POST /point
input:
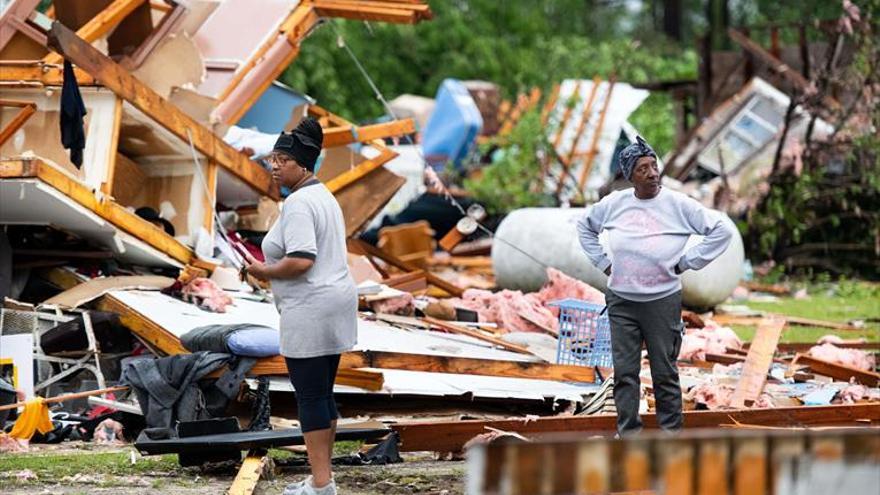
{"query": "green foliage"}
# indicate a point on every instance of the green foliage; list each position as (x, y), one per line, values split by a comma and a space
(509, 182)
(516, 44)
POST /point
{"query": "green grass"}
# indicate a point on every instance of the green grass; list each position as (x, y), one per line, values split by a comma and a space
(839, 303)
(57, 466)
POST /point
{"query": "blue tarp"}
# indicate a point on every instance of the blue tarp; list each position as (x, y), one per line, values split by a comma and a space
(453, 128)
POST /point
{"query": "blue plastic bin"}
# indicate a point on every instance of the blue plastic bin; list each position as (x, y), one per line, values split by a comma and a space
(584, 334)
(453, 127)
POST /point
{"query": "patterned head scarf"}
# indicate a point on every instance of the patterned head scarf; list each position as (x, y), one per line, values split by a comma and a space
(303, 144)
(631, 154)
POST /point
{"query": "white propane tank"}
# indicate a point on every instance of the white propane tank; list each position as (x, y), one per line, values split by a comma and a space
(549, 235)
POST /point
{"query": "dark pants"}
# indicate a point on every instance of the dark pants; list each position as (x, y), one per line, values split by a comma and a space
(313, 378)
(657, 323)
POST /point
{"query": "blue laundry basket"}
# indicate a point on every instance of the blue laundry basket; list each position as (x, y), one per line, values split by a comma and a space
(584, 334)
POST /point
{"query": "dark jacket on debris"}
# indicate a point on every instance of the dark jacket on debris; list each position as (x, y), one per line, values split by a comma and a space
(73, 110)
(168, 390)
(213, 337)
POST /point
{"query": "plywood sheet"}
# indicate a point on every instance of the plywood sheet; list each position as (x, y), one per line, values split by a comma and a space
(758, 360)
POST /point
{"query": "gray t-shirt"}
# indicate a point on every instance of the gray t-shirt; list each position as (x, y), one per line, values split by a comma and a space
(318, 308)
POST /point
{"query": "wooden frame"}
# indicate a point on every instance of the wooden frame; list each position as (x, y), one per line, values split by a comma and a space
(167, 115)
(374, 10)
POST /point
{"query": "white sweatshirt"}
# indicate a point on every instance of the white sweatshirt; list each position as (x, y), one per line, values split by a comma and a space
(647, 239)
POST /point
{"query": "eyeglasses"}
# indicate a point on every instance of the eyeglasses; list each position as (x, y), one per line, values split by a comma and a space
(279, 159)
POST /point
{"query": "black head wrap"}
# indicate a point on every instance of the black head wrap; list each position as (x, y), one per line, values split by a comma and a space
(303, 144)
(631, 154)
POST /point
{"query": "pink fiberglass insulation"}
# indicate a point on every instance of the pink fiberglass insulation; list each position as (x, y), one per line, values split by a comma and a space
(397, 305)
(711, 339)
(853, 358)
(710, 394)
(206, 294)
(517, 312)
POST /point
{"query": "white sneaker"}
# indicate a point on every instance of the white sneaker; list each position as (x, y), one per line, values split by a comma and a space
(305, 487)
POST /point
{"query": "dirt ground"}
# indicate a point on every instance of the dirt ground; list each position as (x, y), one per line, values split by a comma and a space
(89, 469)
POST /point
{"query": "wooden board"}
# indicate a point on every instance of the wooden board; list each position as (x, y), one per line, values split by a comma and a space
(757, 364)
(445, 364)
(838, 371)
(450, 436)
(249, 474)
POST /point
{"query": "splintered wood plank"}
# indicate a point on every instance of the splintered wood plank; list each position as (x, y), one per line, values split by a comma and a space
(750, 466)
(249, 475)
(167, 115)
(754, 372)
(837, 371)
(713, 459)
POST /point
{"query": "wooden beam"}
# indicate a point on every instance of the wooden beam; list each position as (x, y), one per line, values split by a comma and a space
(121, 82)
(445, 364)
(21, 73)
(26, 109)
(109, 210)
(342, 135)
(838, 371)
(582, 125)
(101, 24)
(757, 363)
(396, 262)
(363, 10)
(451, 436)
(792, 76)
(459, 330)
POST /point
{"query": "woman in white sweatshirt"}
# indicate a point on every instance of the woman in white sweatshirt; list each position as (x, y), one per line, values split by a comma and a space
(648, 227)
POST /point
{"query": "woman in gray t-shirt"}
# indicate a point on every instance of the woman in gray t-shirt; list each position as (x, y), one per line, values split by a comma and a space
(306, 263)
